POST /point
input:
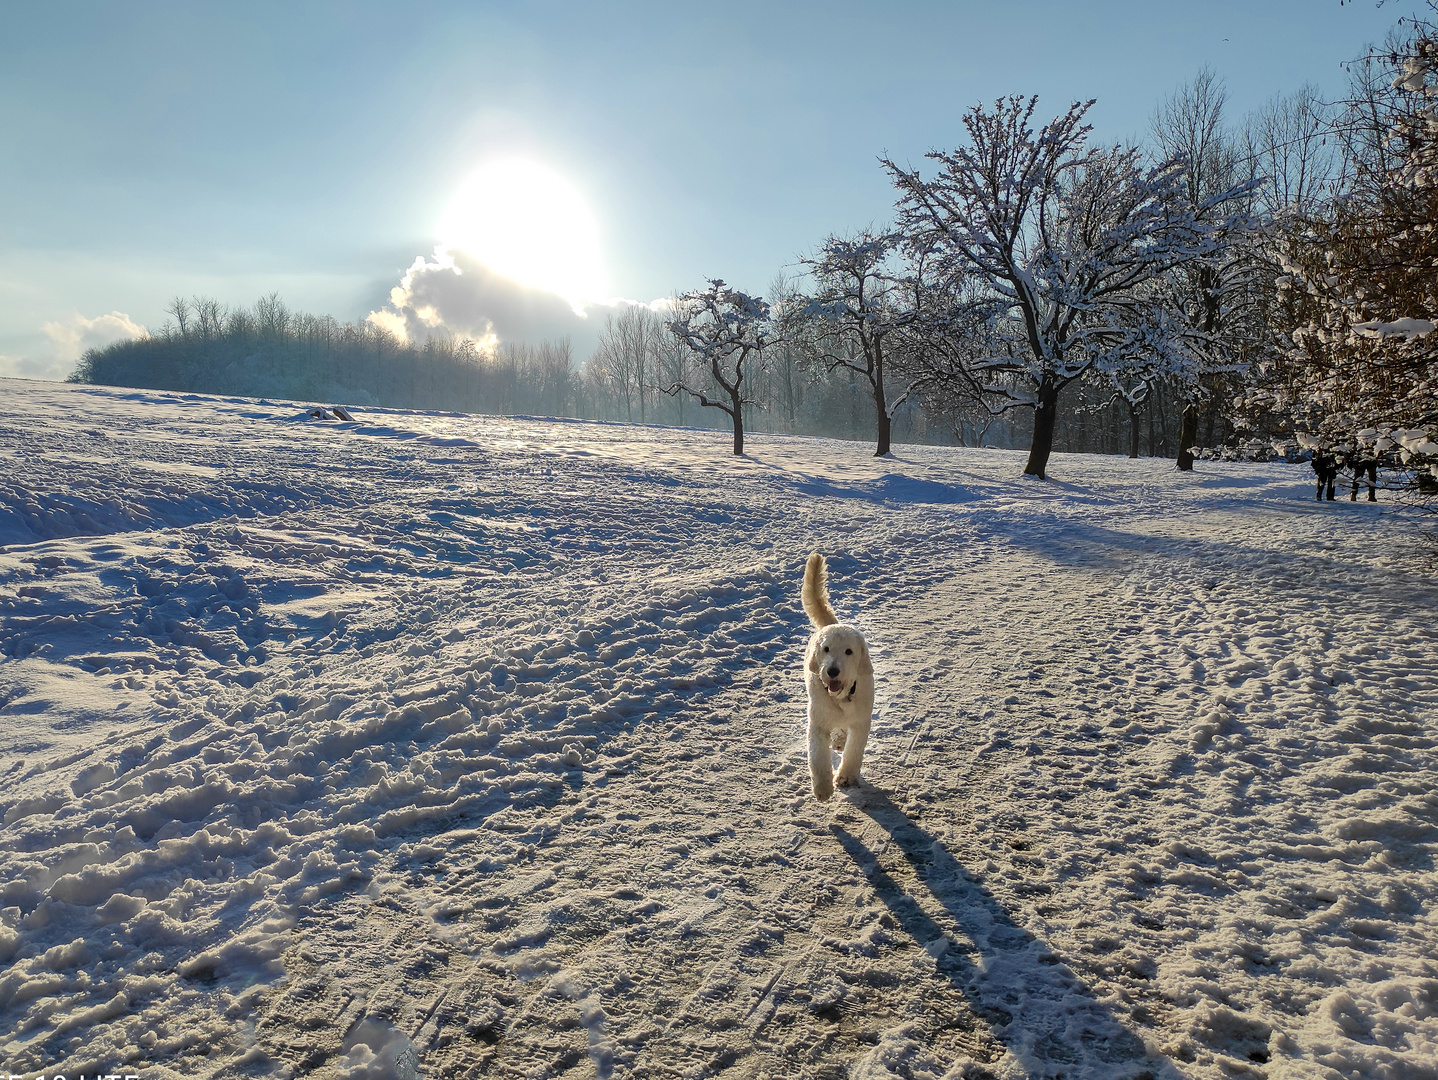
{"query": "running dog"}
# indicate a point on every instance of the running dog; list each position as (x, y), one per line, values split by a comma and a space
(840, 680)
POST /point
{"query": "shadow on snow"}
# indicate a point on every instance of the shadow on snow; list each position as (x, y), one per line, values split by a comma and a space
(1050, 1022)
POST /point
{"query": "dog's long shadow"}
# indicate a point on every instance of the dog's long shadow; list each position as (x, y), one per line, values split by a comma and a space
(1052, 1024)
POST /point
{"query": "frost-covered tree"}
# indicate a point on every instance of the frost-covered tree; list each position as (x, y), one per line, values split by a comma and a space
(1053, 247)
(857, 310)
(1216, 301)
(1170, 354)
(726, 332)
(1358, 292)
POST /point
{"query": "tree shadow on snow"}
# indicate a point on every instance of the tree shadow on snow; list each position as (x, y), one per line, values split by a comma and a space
(1071, 543)
(1050, 1022)
(1226, 558)
(890, 488)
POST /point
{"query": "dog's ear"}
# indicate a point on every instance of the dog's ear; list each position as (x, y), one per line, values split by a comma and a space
(813, 660)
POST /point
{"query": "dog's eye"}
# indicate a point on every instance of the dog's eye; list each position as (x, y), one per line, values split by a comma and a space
(848, 652)
(826, 648)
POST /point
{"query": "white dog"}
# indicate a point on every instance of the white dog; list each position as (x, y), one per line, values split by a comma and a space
(840, 680)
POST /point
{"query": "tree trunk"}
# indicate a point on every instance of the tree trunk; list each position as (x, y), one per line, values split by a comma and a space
(1132, 431)
(1187, 436)
(882, 409)
(1045, 414)
(853, 406)
(737, 415)
(881, 406)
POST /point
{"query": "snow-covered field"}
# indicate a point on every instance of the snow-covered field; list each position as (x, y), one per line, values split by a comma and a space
(441, 746)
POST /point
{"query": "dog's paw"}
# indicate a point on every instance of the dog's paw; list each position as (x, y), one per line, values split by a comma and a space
(823, 792)
(847, 781)
(839, 740)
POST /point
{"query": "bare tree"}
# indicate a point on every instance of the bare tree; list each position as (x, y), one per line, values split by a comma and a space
(628, 353)
(1384, 110)
(272, 316)
(726, 331)
(180, 309)
(786, 360)
(672, 361)
(556, 361)
(209, 317)
(1289, 145)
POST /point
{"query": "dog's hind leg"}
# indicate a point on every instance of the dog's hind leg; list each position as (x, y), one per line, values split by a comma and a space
(838, 738)
(853, 756)
(821, 769)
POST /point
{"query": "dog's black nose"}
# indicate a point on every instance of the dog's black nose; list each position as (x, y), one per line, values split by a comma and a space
(833, 671)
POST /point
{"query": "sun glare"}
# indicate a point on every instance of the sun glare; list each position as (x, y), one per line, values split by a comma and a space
(526, 222)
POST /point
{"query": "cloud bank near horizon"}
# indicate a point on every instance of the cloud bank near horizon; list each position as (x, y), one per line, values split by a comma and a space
(67, 341)
(454, 293)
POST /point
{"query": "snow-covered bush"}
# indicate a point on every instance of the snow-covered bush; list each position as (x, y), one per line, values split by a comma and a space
(1356, 295)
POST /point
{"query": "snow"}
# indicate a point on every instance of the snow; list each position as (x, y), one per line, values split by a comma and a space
(1406, 327)
(435, 745)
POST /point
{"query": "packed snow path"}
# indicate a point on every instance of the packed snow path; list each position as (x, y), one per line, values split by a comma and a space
(451, 746)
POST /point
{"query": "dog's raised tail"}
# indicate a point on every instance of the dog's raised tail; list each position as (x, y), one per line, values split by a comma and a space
(816, 593)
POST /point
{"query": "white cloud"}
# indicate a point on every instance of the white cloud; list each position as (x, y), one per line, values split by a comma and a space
(454, 292)
(67, 341)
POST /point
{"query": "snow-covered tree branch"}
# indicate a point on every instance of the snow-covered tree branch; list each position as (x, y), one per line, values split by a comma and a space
(1053, 247)
(1358, 301)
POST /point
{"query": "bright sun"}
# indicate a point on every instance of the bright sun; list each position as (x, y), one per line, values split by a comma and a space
(526, 222)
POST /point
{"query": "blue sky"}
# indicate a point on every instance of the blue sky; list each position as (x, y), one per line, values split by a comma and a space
(149, 149)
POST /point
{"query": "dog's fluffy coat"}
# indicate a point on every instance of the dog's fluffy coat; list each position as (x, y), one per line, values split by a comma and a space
(840, 681)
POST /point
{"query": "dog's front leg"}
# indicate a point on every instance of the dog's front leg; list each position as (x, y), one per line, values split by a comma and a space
(853, 755)
(821, 769)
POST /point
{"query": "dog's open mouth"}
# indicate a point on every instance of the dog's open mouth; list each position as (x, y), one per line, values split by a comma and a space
(835, 686)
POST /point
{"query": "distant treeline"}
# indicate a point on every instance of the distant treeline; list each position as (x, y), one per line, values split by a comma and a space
(268, 350)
